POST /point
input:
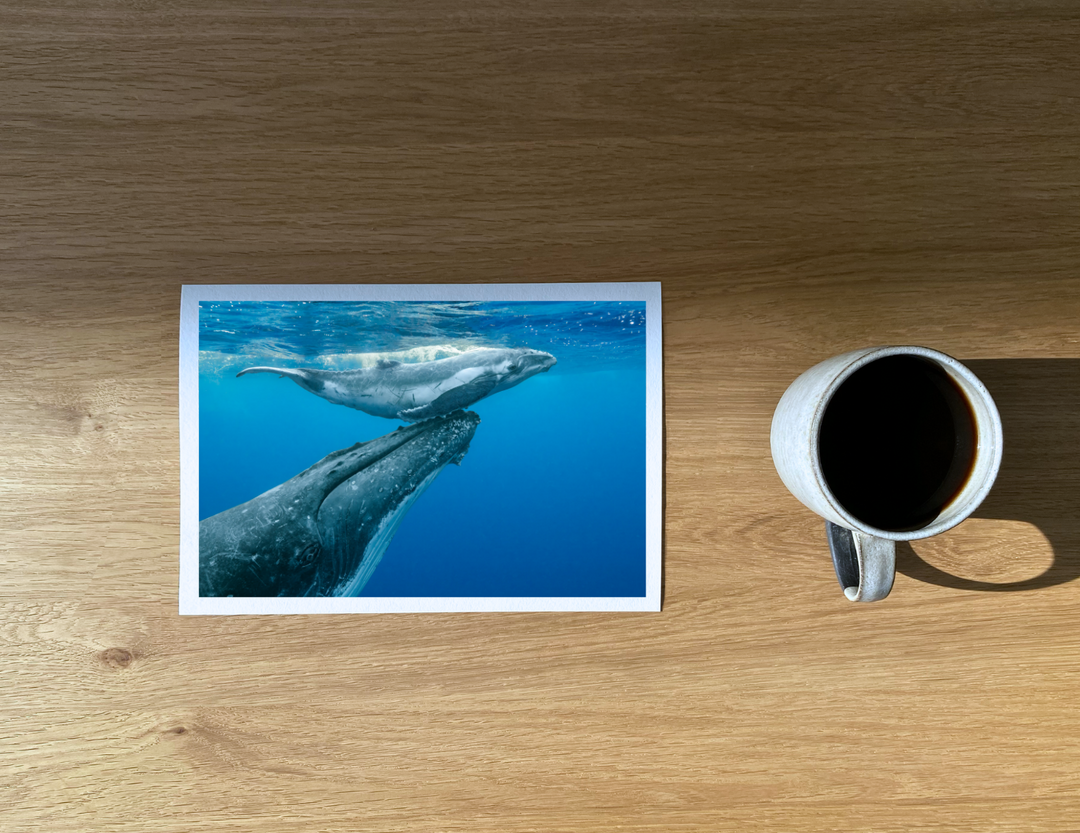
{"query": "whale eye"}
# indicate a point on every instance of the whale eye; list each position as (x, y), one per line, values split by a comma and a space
(310, 553)
(512, 368)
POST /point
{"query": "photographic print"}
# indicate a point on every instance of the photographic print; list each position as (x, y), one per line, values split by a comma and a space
(376, 448)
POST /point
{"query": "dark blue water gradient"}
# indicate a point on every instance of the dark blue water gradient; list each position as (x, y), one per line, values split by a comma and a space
(550, 499)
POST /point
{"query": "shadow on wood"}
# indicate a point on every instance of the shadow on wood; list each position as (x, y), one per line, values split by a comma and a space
(1039, 480)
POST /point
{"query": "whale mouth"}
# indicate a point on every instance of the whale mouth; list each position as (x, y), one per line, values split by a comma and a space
(359, 518)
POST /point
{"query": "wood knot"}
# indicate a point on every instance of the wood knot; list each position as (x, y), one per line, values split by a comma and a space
(117, 657)
(177, 730)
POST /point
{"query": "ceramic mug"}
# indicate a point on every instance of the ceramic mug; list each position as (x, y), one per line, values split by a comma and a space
(886, 444)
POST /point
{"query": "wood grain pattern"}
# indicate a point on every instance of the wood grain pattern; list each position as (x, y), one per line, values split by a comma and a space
(803, 178)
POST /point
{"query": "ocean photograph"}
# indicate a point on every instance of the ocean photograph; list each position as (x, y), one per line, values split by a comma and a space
(411, 449)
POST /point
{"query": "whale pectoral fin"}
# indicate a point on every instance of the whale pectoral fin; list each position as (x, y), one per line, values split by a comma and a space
(460, 397)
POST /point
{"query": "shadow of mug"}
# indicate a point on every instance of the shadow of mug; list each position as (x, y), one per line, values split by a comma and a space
(1039, 479)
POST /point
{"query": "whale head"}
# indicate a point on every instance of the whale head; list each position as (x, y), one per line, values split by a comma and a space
(313, 534)
(359, 518)
(513, 365)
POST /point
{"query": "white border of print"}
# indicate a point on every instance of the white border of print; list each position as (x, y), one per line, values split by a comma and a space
(190, 601)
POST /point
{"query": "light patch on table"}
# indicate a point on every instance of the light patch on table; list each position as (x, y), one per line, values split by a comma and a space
(986, 549)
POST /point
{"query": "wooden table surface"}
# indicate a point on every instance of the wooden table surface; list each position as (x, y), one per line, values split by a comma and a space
(804, 178)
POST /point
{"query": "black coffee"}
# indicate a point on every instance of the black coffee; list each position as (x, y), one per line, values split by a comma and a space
(897, 442)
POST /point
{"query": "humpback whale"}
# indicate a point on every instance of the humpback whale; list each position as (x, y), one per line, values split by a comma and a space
(420, 391)
(323, 532)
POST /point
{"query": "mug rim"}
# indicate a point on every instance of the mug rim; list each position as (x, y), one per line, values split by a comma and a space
(945, 520)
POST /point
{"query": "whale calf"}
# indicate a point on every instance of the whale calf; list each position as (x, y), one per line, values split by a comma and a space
(420, 391)
(323, 532)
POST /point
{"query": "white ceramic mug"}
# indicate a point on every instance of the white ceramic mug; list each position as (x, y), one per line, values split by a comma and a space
(864, 555)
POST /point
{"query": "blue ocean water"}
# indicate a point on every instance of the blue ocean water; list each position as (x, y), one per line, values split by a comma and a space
(550, 498)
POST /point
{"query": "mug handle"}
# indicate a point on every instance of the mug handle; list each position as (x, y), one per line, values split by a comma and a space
(864, 564)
